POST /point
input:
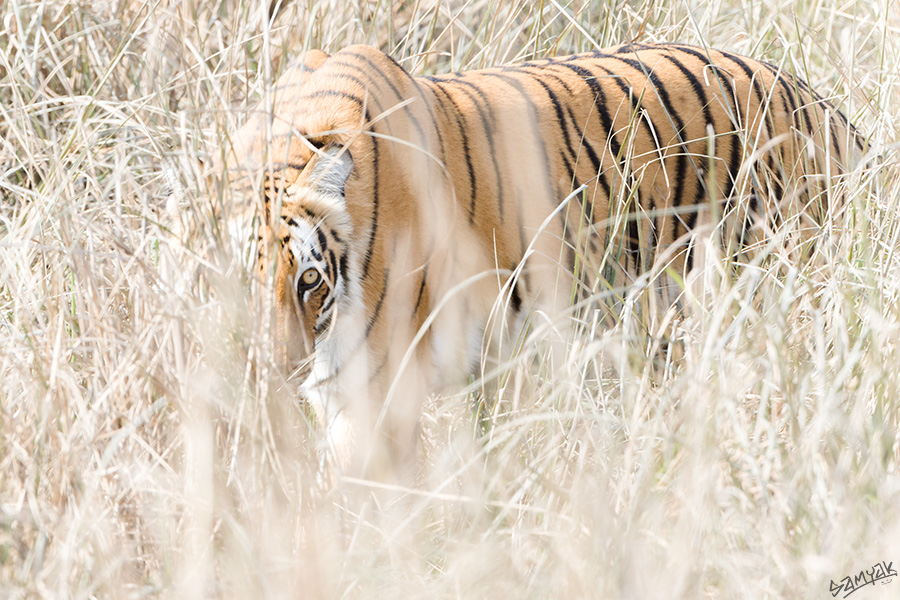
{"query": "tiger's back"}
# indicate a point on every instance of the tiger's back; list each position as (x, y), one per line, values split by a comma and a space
(438, 211)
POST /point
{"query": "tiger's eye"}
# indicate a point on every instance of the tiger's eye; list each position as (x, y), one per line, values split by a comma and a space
(309, 279)
(310, 276)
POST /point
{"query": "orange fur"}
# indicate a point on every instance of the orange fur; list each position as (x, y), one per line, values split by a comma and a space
(453, 200)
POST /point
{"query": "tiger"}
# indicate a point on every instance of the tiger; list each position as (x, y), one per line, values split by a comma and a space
(407, 223)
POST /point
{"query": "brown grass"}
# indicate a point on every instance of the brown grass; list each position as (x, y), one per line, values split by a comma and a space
(141, 456)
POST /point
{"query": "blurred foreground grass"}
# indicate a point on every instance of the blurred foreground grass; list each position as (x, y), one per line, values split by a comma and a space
(141, 456)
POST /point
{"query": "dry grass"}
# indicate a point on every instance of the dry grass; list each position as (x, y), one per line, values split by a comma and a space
(141, 456)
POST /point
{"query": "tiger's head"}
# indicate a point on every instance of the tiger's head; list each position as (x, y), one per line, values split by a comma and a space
(322, 149)
(305, 239)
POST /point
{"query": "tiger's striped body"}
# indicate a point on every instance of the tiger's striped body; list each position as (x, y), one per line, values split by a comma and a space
(422, 201)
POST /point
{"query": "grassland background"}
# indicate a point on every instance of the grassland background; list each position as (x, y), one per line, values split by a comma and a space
(142, 456)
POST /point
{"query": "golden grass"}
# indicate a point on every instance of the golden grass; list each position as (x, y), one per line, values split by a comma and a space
(141, 456)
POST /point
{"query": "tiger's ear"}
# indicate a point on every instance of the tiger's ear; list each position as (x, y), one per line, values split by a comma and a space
(330, 171)
(296, 73)
(313, 59)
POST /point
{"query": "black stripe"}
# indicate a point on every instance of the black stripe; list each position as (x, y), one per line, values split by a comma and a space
(536, 119)
(323, 241)
(274, 177)
(431, 114)
(332, 266)
(367, 258)
(736, 143)
(421, 291)
(515, 298)
(626, 89)
(818, 99)
(761, 99)
(373, 67)
(788, 90)
(584, 142)
(751, 76)
(803, 107)
(815, 99)
(590, 80)
(312, 218)
(632, 233)
(342, 267)
(327, 306)
(595, 163)
(320, 329)
(365, 85)
(787, 103)
(485, 114)
(400, 98)
(377, 310)
(645, 121)
(375, 373)
(467, 155)
(552, 195)
(399, 95)
(702, 98)
(682, 159)
(835, 144)
(654, 232)
(749, 216)
(333, 94)
(419, 88)
(571, 157)
(560, 120)
(584, 200)
(282, 166)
